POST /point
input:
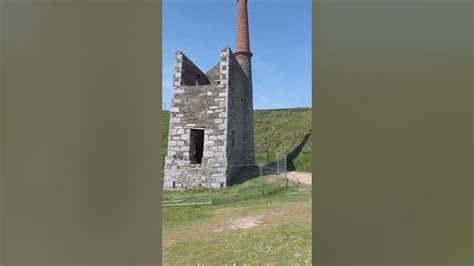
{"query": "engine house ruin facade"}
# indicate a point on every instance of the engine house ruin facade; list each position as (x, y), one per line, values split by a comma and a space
(211, 133)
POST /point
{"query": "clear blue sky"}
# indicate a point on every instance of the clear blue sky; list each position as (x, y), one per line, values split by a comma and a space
(280, 40)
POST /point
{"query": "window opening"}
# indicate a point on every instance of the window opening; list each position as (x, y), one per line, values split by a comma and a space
(196, 146)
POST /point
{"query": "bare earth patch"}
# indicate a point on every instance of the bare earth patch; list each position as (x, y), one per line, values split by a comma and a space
(274, 230)
(239, 219)
(305, 178)
(246, 222)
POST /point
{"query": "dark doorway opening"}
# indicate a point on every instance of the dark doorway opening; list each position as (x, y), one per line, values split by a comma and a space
(197, 145)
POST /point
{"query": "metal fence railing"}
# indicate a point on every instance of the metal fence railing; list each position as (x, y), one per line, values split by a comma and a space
(206, 191)
(192, 196)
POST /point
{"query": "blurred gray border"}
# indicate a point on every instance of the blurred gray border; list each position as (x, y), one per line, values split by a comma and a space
(80, 135)
(392, 83)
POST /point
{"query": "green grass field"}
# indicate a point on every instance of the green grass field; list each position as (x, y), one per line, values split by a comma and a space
(283, 131)
(242, 226)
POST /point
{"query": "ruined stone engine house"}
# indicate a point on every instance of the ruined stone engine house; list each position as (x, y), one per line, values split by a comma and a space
(211, 117)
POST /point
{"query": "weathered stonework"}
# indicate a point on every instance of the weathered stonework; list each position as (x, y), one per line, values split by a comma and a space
(211, 120)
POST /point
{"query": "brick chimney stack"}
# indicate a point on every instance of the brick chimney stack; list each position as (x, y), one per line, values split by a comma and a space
(242, 49)
(243, 43)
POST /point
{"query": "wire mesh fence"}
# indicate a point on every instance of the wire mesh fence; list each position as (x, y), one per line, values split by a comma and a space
(246, 183)
(201, 195)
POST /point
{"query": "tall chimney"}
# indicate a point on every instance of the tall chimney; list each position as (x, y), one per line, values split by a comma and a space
(243, 43)
(242, 49)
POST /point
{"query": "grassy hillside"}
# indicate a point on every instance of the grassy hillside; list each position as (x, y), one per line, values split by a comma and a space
(241, 227)
(283, 131)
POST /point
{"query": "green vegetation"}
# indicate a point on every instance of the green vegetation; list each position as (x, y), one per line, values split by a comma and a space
(281, 233)
(242, 226)
(283, 131)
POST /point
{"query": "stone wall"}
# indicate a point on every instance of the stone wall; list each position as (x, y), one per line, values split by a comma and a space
(238, 84)
(189, 73)
(214, 74)
(197, 107)
(220, 103)
(244, 60)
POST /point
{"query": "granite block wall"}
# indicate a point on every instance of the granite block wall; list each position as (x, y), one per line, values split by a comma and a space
(216, 102)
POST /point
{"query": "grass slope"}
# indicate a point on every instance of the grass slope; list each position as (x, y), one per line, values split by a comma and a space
(283, 131)
(201, 234)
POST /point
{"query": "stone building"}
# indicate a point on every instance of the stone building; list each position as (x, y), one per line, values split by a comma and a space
(211, 117)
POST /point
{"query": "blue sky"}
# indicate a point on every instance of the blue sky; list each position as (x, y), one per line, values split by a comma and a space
(280, 40)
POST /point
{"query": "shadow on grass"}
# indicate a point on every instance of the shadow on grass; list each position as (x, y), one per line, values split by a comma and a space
(275, 191)
(296, 151)
(245, 174)
(251, 172)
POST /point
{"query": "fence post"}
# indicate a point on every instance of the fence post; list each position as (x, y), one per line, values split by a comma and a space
(261, 179)
(286, 174)
(278, 164)
(210, 190)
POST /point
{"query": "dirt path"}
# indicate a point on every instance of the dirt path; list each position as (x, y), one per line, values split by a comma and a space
(305, 178)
